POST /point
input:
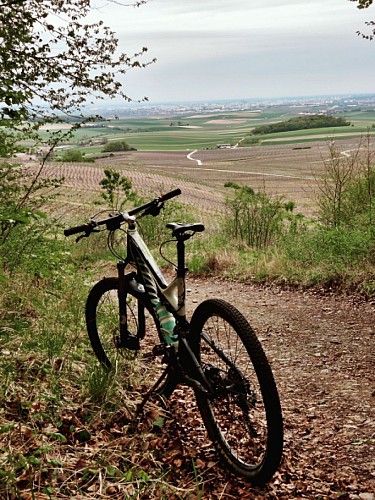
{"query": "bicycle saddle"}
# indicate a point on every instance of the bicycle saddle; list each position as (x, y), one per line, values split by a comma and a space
(178, 228)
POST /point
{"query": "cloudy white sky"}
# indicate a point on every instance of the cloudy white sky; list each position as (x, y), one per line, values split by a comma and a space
(218, 49)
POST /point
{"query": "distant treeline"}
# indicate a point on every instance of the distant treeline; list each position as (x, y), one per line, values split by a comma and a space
(301, 123)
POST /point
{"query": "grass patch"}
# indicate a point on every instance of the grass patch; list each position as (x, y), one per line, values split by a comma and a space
(322, 258)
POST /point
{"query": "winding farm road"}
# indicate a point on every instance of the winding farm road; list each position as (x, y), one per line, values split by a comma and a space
(189, 157)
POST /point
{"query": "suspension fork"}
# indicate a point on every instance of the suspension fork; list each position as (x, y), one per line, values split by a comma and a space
(128, 339)
(123, 319)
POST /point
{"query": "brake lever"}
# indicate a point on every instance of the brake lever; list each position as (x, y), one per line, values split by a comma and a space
(154, 210)
(87, 234)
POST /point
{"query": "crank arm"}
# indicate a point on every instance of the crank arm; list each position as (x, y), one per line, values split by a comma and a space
(188, 363)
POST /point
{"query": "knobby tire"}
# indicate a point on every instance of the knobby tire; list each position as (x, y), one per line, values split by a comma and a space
(243, 415)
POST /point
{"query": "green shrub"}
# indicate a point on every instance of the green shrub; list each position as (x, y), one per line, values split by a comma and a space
(117, 189)
(359, 203)
(22, 222)
(249, 141)
(113, 146)
(75, 156)
(329, 252)
(234, 185)
(347, 187)
(32, 247)
(254, 218)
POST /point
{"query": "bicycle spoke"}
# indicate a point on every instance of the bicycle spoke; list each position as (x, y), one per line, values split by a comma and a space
(239, 418)
(104, 332)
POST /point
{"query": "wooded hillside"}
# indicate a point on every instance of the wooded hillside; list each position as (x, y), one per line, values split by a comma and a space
(301, 123)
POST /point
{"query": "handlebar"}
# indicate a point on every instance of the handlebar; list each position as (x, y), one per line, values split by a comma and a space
(115, 221)
(171, 194)
(155, 202)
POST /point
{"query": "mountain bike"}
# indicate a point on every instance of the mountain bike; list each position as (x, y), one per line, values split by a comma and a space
(139, 318)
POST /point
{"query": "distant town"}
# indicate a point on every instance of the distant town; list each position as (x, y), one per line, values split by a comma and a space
(329, 104)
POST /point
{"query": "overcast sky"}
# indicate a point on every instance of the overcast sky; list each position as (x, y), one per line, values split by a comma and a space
(216, 49)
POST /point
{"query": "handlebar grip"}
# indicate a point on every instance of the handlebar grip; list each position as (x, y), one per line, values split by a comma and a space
(77, 229)
(170, 195)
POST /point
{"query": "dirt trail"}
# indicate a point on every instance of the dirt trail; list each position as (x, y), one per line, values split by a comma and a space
(322, 351)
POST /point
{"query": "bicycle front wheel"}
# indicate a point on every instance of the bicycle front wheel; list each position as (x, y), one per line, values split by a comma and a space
(242, 412)
(144, 367)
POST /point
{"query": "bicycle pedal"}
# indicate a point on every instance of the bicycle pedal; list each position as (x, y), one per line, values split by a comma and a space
(130, 342)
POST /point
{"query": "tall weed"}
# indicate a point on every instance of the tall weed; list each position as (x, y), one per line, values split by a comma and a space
(254, 218)
(347, 187)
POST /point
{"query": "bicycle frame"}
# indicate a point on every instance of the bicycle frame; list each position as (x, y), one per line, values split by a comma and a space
(172, 295)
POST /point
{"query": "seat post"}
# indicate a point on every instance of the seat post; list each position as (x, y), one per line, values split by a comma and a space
(181, 269)
(181, 274)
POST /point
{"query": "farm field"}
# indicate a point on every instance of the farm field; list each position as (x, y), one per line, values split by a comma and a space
(206, 131)
(182, 151)
(180, 132)
(280, 171)
(288, 171)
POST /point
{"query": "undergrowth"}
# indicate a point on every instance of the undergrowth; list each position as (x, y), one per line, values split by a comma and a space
(330, 259)
(65, 423)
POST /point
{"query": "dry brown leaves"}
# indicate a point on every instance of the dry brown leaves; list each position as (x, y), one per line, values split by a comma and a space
(322, 353)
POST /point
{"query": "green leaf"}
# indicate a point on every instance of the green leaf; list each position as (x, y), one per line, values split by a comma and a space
(159, 422)
(112, 471)
(55, 463)
(60, 437)
(7, 427)
(34, 460)
(143, 476)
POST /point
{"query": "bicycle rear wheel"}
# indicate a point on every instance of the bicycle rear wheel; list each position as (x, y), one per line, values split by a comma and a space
(242, 414)
(144, 367)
